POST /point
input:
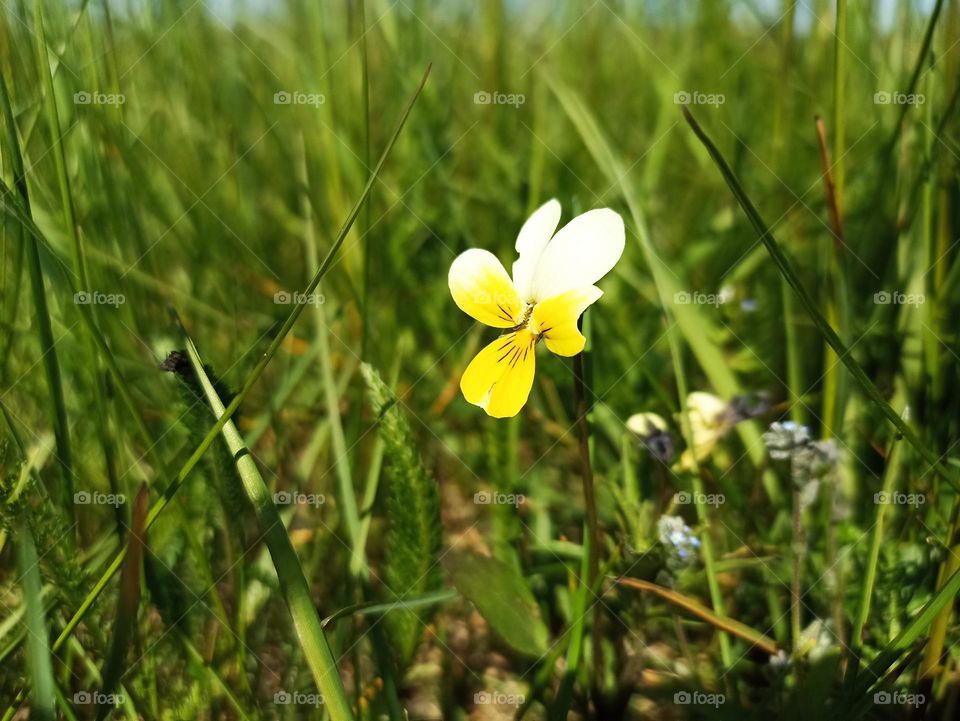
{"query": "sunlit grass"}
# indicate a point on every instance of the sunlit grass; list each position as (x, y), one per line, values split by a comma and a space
(287, 181)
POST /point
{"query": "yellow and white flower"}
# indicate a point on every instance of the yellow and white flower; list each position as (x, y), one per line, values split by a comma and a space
(646, 424)
(710, 420)
(552, 284)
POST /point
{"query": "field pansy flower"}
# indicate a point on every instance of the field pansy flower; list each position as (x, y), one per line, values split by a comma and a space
(551, 286)
(651, 430)
(710, 419)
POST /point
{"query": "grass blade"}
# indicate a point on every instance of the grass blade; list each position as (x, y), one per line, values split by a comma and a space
(786, 268)
(729, 625)
(425, 600)
(293, 584)
(51, 363)
(697, 330)
(916, 628)
(38, 653)
(250, 381)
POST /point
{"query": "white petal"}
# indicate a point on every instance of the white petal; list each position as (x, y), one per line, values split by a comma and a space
(533, 238)
(646, 424)
(580, 254)
(708, 406)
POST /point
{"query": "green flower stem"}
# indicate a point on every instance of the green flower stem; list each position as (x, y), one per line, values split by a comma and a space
(839, 75)
(589, 498)
(797, 552)
(703, 518)
(870, 577)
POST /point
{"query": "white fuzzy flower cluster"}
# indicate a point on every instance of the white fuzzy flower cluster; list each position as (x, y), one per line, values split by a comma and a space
(810, 461)
(678, 538)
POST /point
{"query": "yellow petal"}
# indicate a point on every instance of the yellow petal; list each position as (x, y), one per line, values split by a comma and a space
(482, 289)
(556, 319)
(500, 377)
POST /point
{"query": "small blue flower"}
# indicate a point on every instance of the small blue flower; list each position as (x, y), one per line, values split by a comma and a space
(678, 537)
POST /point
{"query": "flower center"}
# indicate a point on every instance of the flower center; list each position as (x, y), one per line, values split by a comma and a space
(524, 323)
(527, 314)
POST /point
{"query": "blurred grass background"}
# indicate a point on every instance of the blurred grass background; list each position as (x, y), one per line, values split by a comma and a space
(165, 170)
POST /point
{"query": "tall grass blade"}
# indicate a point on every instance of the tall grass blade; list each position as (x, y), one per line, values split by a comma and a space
(691, 606)
(48, 351)
(293, 584)
(823, 326)
(251, 379)
(38, 652)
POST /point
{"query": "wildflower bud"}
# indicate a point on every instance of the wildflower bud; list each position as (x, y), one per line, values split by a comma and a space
(651, 431)
(749, 405)
(783, 439)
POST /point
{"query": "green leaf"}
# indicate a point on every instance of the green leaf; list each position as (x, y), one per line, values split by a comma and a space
(413, 509)
(917, 627)
(503, 598)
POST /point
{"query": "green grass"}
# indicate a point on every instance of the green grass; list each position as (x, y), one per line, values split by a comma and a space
(149, 163)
